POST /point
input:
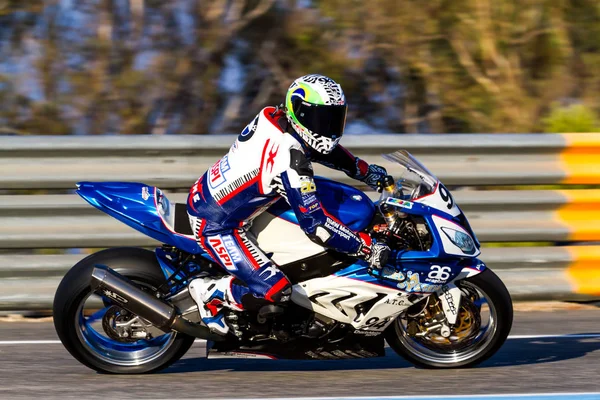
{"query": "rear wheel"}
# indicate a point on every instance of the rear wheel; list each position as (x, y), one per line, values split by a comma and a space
(104, 336)
(483, 324)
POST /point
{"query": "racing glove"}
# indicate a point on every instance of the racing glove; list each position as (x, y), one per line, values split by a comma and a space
(375, 176)
(375, 253)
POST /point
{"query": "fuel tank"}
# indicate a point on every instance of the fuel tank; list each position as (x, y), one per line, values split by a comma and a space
(280, 236)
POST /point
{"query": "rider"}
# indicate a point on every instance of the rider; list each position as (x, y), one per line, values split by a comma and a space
(271, 159)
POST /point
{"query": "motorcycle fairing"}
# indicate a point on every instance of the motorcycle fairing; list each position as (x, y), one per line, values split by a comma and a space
(146, 208)
(346, 203)
(142, 207)
(440, 225)
(351, 301)
(370, 300)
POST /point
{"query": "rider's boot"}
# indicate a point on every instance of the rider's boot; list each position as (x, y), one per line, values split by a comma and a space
(212, 295)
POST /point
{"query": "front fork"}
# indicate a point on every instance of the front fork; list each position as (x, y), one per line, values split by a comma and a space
(450, 295)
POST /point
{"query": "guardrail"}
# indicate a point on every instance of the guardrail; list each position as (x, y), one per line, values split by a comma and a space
(474, 165)
(172, 162)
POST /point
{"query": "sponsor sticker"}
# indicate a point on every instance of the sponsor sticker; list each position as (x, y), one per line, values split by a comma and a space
(339, 230)
(310, 201)
(398, 301)
(216, 176)
(438, 274)
(232, 249)
(307, 185)
(399, 203)
(249, 130)
(393, 274)
(115, 296)
(413, 284)
(217, 244)
(449, 299)
(145, 193)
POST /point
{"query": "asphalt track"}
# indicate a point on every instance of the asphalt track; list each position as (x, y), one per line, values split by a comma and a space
(538, 358)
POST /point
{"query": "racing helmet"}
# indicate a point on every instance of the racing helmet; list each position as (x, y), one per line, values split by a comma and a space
(316, 108)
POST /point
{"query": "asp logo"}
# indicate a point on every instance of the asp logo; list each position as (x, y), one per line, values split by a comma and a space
(226, 250)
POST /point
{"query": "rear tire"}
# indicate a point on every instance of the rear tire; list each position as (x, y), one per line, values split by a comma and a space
(136, 264)
(498, 295)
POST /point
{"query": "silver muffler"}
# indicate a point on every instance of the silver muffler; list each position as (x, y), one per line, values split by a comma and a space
(159, 313)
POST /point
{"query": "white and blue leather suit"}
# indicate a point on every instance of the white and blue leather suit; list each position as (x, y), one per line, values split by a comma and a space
(268, 161)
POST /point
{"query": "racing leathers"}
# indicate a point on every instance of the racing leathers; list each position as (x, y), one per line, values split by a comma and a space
(266, 162)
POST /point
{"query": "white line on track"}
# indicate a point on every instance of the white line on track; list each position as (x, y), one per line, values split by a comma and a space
(438, 397)
(543, 396)
(6, 342)
(569, 335)
(511, 337)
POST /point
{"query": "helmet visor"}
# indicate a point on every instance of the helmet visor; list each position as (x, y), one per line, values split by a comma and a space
(323, 120)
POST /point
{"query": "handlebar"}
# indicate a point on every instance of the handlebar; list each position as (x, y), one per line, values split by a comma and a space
(386, 183)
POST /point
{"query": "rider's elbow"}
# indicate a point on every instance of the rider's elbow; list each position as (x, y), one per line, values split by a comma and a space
(318, 235)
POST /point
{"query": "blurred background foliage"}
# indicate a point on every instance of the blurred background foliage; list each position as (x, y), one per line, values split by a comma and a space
(208, 66)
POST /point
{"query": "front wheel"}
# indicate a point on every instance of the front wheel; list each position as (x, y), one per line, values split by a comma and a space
(483, 324)
(104, 336)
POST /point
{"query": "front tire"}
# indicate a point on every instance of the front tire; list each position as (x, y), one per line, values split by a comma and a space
(501, 313)
(90, 347)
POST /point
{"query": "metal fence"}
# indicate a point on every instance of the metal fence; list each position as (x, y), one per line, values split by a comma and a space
(485, 172)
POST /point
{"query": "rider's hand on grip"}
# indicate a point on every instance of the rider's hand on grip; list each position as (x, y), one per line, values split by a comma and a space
(375, 253)
(375, 175)
(380, 252)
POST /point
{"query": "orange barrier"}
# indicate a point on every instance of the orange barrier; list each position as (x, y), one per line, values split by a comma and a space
(581, 158)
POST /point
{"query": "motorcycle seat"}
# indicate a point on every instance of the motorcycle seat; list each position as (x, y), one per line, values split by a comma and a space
(182, 222)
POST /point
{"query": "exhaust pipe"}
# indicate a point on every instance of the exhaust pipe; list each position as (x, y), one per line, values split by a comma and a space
(158, 312)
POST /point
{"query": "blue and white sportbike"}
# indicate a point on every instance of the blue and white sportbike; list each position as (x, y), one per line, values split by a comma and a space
(128, 310)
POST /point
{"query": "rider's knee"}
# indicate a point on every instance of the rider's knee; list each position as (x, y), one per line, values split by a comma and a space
(280, 292)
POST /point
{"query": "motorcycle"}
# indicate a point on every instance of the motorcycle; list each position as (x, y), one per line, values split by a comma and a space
(128, 310)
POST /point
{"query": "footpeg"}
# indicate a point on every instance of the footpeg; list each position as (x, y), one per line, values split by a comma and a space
(231, 317)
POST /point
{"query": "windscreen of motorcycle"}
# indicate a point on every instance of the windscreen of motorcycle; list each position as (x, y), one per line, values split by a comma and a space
(416, 183)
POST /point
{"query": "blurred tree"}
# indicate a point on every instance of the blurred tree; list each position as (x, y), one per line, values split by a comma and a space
(200, 66)
(575, 118)
(482, 65)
